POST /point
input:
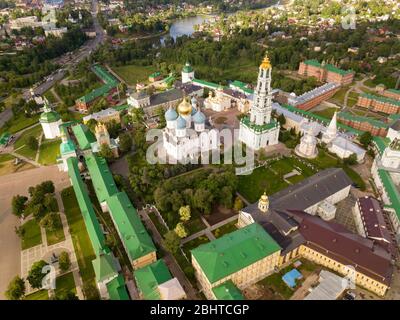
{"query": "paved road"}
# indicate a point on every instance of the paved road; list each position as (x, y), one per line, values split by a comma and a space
(10, 245)
(5, 116)
(66, 61)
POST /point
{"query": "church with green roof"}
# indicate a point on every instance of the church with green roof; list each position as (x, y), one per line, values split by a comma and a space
(50, 121)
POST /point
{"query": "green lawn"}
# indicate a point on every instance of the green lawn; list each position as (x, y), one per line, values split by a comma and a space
(49, 151)
(80, 238)
(296, 179)
(50, 97)
(56, 235)
(4, 157)
(327, 113)
(20, 144)
(133, 74)
(32, 236)
(262, 179)
(159, 226)
(18, 123)
(281, 167)
(225, 229)
(65, 284)
(38, 295)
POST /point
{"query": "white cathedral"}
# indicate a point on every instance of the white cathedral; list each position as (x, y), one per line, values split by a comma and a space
(185, 136)
(259, 130)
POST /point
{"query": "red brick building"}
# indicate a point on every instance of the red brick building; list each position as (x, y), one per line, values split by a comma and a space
(392, 94)
(378, 103)
(326, 72)
(375, 127)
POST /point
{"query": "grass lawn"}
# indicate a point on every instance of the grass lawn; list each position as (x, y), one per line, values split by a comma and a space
(50, 97)
(324, 160)
(65, 284)
(56, 235)
(133, 74)
(38, 295)
(8, 166)
(80, 238)
(352, 99)
(32, 236)
(282, 167)
(20, 144)
(262, 179)
(338, 97)
(159, 226)
(225, 229)
(194, 225)
(20, 122)
(49, 151)
(6, 157)
(327, 113)
(296, 179)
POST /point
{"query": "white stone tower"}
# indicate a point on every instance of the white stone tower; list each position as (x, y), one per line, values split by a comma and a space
(308, 145)
(258, 130)
(331, 131)
(187, 73)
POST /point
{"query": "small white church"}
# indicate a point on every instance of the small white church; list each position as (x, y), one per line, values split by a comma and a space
(50, 121)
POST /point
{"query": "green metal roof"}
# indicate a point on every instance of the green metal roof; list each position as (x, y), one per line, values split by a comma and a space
(84, 136)
(150, 277)
(227, 291)
(102, 179)
(67, 147)
(391, 190)
(121, 107)
(258, 128)
(116, 289)
(104, 75)
(242, 86)
(328, 67)
(131, 230)
(187, 68)
(104, 267)
(206, 83)
(355, 118)
(381, 143)
(394, 91)
(4, 138)
(49, 117)
(89, 217)
(381, 99)
(234, 251)
(155, 74)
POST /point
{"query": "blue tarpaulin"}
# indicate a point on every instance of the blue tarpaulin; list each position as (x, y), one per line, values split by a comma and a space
(290, 277)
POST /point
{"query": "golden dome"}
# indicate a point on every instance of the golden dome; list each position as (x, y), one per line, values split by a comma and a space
(264, 198)
(266, 64)
(184, 108)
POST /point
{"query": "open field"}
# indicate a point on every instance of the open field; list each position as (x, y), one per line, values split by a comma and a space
(18, 123)
(65, 284)
(38, 295)
(327, 113)
(133, 74)
(20, 143)
(49, 151)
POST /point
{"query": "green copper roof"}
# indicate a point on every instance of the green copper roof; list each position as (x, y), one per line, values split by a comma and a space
(381, 99)
(234, 251)
(104, 267)
(394, 91)
(187, 68)
(67, 147)
(328, 67)
(4, 138)
(227, 291)
(258, 128)
(155, 74)
(203, 83)
(89, 217)
(131, 230)
(242, 86)
(116, 289)
(84, 136)
(381, 143)
(121, 107)
(150, 277)
(49, 117)
(391, 190)
(104, 75)
(102, 179)
(355, 118)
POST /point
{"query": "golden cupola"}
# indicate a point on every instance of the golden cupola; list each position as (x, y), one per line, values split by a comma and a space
(263, 203)
(265, 64)
(184, 108)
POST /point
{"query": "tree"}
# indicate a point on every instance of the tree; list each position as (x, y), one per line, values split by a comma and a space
(35, 275)
(91, 124)
(15, 289)
(225, 197)
(351, 160)
(365, 139)
(90, 291)
(47, 186)
(106, 152)
(64, 262)
(281, 119)
(125, 142)
(70, 295)
(32, 143)
(202, 200)
(172, 241)
(18, 205)
(51, 221)
(238, 204)
(180, 230)
(113, 127)
(184, 213)
(50, 203)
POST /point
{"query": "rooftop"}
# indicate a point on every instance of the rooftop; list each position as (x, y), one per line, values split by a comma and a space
(116, 289)
(234, 251)
(381, 99)
(227, 291)
(328, 67)
(84, 136)
(258, 128)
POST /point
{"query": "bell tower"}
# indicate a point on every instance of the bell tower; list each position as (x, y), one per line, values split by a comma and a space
(263, 203)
